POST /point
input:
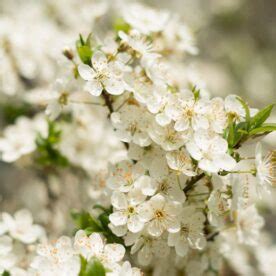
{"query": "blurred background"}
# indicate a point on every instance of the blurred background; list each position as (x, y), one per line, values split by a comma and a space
(237, 55)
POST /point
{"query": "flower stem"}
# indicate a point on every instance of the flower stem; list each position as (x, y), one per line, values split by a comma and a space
(190, 183)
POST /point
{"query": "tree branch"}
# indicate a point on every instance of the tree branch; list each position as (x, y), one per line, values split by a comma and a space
(190, 183)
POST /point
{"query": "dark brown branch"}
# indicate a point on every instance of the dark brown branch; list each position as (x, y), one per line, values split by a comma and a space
(108, 102)
(190, 183)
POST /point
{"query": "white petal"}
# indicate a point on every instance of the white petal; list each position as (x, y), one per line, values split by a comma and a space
(134, 224)
(99, 61)
(173, 226)
(193, 149)
(181, 248)
(86, 72)
(114, 252)
(119, 231)
(94, 87)
(155, 229)
(173, 239)
(114, 86)
(225, 162)
(208, 165)
(181, 124)
(145, 212)
(162, 119)
(119, 200)
(97, 243)
(118, 218)
(146, 184)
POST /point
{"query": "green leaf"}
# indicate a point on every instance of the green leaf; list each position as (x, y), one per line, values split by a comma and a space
(231, 135)
(261, 117)
(84, 220)
(246, 108)
(47, 153)
(94, 268)
(263, 129)
(6, 273)
(85, 54)
(121, 25)
(84, 49)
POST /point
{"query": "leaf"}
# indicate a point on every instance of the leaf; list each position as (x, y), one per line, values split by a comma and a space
(85, 54)
(84, 49)
(84, 220)
(6, 273)
(47, 153)
(121, 25)
(261, 117)
(263, 129)
(246, 108)
(94, 268)
(231, 134)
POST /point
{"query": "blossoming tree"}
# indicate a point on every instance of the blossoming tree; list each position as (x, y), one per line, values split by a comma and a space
(179, 192)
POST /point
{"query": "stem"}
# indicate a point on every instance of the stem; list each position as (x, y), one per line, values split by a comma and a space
(108, 102)
(84, 102)
(190, 183)
(249, 171)
(247, 158)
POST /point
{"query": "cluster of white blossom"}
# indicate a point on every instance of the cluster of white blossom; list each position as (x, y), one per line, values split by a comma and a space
(184, 196)
(23, 255)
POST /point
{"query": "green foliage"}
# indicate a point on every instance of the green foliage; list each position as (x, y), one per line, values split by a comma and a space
(11, 112)
(92, 268)
(6, 273)
(84, 220)
(196, 93)
(84, 49)
(261, 117)
(121, 25)
(47, 152)
(236, 133)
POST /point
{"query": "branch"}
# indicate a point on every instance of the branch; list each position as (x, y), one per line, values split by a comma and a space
(108, 102)
(190, 183)
(109, 105)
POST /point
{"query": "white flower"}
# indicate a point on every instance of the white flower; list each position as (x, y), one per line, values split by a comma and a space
(235, 109)
(125, 210)
(149, 248)
(124, 175)
(170, 186)
(21, 227)
(191, 232)
(160, 215)
(104, 75)
(131, 124)
(19, 139)
(7, 258)
(94, 246)
(249, 224)
(218, 206)
(57, 259)
(181, 162)
(168, 138)
(217, 115)
(178, 38)
(127, 270)
(266, 167)
(144, 19)
(138, 43)
(58, 98)
(211, 152)
(187, 112)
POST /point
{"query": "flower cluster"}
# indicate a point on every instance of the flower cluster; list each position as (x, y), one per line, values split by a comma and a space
(181, 190)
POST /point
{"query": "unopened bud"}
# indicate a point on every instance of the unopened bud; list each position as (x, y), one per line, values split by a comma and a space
(67, 52)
